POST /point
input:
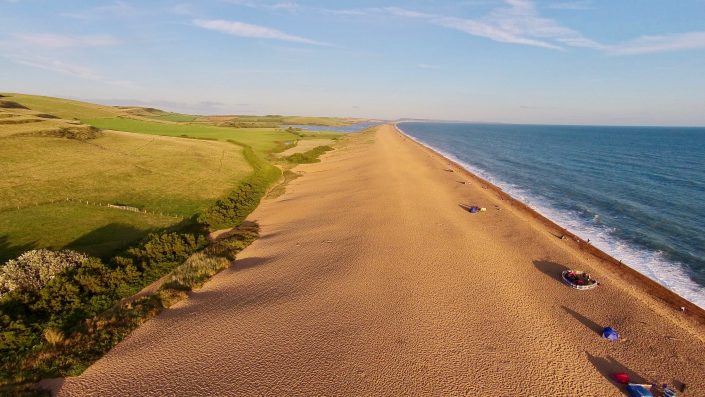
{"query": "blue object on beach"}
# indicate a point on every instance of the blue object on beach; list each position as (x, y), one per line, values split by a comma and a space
(474, 209)
(610, 333)
(638, 391)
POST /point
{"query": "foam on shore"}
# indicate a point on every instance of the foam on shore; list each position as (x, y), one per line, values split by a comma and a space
(652, 264)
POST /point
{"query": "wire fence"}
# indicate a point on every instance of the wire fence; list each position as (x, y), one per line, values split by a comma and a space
(72, 200)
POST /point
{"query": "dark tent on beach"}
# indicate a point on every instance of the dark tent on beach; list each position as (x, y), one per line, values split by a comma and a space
(610, 333)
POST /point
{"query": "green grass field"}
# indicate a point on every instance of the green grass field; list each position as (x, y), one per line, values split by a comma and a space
(97, 231)
(176, 117)
(64, 108)
(261, 139)
(166, 175)
(281, 120)
(141, 160)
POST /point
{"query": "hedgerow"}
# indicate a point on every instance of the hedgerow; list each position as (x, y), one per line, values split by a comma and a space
(61, 311)
(310, 156)
(233, 209)
(35, 317)
(34, 269)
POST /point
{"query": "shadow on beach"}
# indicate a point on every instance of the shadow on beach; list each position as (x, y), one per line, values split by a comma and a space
(268, 236)
(607, 366)
(551, 269)
(595, 327)
(464, 206)
(247, 263)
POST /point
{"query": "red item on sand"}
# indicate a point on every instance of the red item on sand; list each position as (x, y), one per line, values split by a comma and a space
(621, 377)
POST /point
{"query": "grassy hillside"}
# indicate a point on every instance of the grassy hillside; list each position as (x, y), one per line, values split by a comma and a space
(276, 120)
(49, 157)
(60, 171)
(71, 109)
(261, 139)
(165, 175)
(64, 108)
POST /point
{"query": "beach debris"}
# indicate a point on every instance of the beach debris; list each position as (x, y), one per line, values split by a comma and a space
(610, 333)
(449, 170)
(621, 377)
(579, 279)
(638, 390)
(328, 241)
(668, 392)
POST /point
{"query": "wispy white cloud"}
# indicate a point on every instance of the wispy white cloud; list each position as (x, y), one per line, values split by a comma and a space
(183, 9)
(115, 9)
(252, 31)
(520, 22)
(55, 65)
(267, 5)
(345, 11)
(660, 43)
(517, 22)
(402, 12)
(52, 40)
(23, 56)
(571, 5)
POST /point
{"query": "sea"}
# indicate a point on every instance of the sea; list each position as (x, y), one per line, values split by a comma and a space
(638, 193)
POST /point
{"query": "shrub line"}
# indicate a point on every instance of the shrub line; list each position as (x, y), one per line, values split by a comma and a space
(63, 327)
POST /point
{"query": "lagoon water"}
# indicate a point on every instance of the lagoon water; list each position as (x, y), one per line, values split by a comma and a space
(638, 193)
(357, 127)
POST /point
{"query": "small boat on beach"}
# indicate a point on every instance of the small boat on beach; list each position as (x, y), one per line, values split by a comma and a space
(579, 279)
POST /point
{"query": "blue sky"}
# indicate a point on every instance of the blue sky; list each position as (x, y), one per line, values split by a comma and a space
(553, 61)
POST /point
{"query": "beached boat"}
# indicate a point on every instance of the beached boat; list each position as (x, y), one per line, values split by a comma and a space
(578, 279)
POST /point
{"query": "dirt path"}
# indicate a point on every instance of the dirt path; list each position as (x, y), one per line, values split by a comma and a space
(369, 279)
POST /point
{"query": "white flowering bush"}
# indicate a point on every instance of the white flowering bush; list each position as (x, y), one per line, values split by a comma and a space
(34, 269)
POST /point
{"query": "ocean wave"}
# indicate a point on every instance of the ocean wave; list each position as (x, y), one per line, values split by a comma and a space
(653, 264)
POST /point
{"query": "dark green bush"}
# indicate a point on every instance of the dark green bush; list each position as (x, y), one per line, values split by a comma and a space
(234, 241)
(165, 247)
(249, 124)
(233, 209)
(310, 156)
(64, 304)
(82, 293)
(84, 306)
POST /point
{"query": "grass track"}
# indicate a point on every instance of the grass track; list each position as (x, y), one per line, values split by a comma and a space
(260, 139)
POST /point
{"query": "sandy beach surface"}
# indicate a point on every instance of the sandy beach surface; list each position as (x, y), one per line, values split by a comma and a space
(305, 145)
(370, 279)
